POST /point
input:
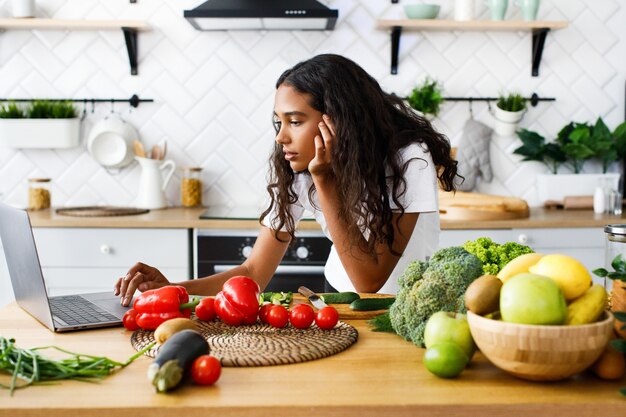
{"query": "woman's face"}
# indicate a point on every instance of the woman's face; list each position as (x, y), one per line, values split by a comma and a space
(297, 125)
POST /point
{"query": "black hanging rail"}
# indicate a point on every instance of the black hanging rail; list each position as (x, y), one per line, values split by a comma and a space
(534, 99)
(133, 101)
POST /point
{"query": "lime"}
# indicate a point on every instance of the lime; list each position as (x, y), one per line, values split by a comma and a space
(445, 359)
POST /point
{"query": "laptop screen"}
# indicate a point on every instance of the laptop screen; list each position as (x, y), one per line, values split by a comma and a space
(23, 263)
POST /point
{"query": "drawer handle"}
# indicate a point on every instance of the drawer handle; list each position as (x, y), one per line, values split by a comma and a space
(105, 249)
(523, 239)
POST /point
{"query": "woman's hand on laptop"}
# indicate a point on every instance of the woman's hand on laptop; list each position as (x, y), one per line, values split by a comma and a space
(140, 277)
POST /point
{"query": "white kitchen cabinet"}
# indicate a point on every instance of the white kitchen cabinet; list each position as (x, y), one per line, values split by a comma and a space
(587, 244)
(80, 260)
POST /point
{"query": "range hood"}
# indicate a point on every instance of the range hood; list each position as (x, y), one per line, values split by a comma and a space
(262, 14)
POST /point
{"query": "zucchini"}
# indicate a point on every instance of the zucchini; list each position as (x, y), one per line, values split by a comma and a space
(339, 297)
(367, 304)
(175, 358)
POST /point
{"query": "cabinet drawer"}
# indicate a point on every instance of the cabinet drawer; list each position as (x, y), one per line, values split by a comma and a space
(590, 237)
(63, 281)
(63, 247)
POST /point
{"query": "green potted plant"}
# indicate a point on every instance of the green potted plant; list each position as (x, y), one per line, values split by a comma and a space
(427, 97)
(575, 144)
(510, 109)
(41, 124)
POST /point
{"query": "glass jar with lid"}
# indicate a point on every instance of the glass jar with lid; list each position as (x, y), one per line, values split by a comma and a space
(191, 187)
(616, 245)
(39, 193)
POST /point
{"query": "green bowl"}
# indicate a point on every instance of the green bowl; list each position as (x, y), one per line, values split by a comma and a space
(421, 11)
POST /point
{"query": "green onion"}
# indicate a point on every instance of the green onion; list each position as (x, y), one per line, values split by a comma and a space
(31, 367)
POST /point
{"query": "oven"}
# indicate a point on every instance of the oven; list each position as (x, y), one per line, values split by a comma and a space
(218, 250)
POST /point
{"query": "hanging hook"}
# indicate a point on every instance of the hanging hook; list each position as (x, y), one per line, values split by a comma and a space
(112, 106)
(471, 109)
(489, 106)
(84, 113)
(93, 106)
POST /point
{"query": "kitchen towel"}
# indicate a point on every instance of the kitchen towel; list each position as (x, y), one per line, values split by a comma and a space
(473, 154)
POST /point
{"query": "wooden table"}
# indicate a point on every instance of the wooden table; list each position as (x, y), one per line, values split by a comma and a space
(381, 375)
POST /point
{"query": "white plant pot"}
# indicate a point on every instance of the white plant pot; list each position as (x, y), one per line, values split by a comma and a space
(506, 121)
(552, 187)
(40, 133)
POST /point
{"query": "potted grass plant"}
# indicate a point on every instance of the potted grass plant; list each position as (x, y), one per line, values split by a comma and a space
(510, 109)
(41, 124)
(426, 98)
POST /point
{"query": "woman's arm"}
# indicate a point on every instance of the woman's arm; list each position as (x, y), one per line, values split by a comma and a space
(260, 265)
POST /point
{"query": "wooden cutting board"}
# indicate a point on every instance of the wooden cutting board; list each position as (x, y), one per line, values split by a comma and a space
(344, 309)
(462, 205)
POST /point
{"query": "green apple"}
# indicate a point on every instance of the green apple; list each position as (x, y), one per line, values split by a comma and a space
(449, 327)
(532, 299)
(445, 359)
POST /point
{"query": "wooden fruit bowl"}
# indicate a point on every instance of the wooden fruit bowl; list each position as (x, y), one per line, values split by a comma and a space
(540, 353)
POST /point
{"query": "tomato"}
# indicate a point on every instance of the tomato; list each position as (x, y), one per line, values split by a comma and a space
(129, 320)
(326, 318)
(277, 316)
(206, 309)
(301, 316)
(263, 312)
(206, 370)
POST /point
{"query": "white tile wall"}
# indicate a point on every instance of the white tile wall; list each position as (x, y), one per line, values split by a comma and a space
(213, 91)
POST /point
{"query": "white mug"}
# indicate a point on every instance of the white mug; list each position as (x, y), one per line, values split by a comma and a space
(463, 10)
(23, 8)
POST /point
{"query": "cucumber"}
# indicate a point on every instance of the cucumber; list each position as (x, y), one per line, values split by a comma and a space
(367, 304)
(339, 297)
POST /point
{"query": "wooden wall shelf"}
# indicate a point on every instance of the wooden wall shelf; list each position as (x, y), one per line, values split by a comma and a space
(130, 28)
(538, 28)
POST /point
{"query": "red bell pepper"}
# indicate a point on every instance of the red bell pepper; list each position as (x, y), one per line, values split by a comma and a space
(153, 307)
(238, 302)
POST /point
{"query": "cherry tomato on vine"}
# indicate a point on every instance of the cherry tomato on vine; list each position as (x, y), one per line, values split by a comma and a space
(301, 316)
(277, 316)
(129, 320)
(205, 311)
(206, 370)
(326, 318)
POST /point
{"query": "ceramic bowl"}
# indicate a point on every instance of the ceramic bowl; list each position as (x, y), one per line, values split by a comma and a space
(538, 352)
(110, 142)
(421, 11)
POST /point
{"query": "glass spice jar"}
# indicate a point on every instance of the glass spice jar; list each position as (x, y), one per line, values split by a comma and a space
(191, 187)
(38, 193)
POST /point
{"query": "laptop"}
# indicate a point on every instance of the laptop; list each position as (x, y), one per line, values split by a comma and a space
(59, 314)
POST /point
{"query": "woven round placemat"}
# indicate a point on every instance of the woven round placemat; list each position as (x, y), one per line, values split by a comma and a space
(261, 344)
(99, 211)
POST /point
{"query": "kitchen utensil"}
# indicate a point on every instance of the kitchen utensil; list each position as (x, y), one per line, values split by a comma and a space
(156, 152)
(540, 352)
(139, 150)
(109, 142)
(312, 297)
(344, 310)
(164, 149)
(155, 176)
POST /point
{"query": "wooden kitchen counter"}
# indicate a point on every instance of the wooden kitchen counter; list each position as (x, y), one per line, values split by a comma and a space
(381, 375)
(179, 217)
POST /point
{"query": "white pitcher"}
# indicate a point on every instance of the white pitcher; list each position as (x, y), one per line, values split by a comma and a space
(155, 176)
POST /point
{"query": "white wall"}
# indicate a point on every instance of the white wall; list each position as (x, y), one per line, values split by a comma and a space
(213, 91)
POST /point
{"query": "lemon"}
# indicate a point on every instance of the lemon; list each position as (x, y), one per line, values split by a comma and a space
(519, 265)
(571, 276)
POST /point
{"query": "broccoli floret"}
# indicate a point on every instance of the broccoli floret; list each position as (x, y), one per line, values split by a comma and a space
(493, 255)
(437, 285)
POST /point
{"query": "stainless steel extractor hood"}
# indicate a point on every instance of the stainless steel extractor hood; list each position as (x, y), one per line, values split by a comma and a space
(262, 14)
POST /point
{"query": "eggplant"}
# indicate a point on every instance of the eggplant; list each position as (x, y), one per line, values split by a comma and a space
(175, 358)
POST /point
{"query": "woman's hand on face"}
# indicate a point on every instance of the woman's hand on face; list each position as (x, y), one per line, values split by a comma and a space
(320, 165)
(140, 276)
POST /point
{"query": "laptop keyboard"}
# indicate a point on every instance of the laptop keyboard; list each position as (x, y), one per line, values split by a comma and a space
(76, 310)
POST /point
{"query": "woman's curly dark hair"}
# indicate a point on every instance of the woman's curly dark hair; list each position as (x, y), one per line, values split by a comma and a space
(371, 129)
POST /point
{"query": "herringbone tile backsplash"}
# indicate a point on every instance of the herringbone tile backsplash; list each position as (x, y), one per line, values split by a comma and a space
(213, 91)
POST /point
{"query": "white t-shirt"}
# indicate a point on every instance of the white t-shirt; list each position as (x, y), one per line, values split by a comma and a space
(421, 196)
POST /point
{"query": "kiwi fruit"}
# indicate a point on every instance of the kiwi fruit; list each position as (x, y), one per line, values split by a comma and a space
(483, 295)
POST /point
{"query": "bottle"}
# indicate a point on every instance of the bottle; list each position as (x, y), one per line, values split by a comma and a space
(191, 187)
(599, 200)
(38, 193)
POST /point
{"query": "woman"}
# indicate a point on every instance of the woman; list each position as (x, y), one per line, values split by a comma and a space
(361, 161)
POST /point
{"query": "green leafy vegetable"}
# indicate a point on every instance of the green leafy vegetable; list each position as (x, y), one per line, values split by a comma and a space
(513, 102)
(31, 367)
(426, 97)
(381, 323)
(281, 298)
